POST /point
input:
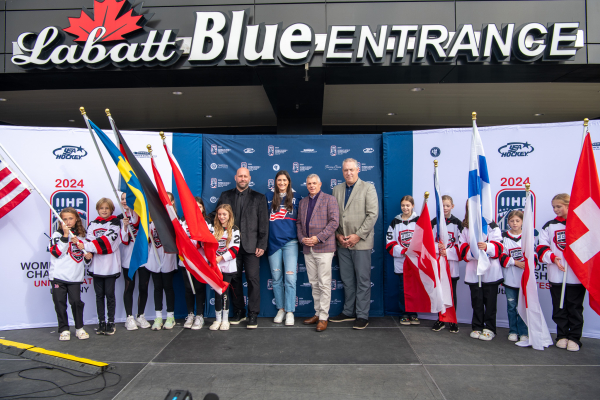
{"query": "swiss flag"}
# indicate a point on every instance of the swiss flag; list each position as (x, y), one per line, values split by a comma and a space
(582, 251)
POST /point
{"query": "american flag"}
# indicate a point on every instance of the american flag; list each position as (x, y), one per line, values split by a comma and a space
(12, 190)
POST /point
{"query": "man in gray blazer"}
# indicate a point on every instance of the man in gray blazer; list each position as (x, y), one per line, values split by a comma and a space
(359, 208)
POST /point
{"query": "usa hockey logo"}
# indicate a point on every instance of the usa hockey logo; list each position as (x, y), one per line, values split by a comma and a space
(560, 239)
(271, 184)
(405, 238)
(213, 183)
(296, 167)
(508, 200)
(76, 199)
(271, 150)
(69, 153)
(244, 165)
(515, 149)
(213, 149)
(333, 151)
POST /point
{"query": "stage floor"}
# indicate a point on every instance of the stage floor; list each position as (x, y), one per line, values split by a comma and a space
(384, 361)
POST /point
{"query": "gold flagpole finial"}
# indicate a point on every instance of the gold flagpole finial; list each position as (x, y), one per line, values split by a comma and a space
(107, 111)
(435, 163)
(527, 186)
(82, 110)
(426, 195)
(149, 149)
(473, 115)
(585, 122)
(162, 135)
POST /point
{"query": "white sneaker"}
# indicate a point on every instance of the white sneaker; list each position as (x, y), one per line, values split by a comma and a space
(572, 346)
(487, 335)
(562, 343)
(289, 319)
(170, 323)
(215, 326)
(130, 324)
(65, 335)
(475, 334)
(279, 317)
(158, 324)
(189, 321)
(224, 326)
(524, 338)
(81, 334)
(513, 337)
(198, 323)
(141, 322)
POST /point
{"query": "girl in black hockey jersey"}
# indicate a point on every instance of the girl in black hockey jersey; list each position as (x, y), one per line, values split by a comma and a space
(228, 236)
(513, 263)
(104, 239)
(569, 319)
(451, 252)
(484, 298)
(399, 235)
(67, 273)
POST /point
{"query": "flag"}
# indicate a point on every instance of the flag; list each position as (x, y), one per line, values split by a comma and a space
(136, 199)
(422, 288)
(582, 251)
(480, 201)
(12, 190)
(529, 307)
(191, 257)
(443, 266)
(193, 216)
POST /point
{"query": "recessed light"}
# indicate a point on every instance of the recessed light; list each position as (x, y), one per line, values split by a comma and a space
(2, 99)
(208, 116)
(537, 115)
(71, 120)
(177, 93)
(390, 114)
(417, 89)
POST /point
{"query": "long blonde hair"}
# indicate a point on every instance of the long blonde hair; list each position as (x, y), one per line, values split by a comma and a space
(218, 227)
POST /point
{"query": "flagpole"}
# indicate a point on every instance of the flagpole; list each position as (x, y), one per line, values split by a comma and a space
(35, 188)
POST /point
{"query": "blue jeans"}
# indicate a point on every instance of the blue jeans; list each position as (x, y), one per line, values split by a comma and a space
(403, 312)
(515, 323)
(285, 295)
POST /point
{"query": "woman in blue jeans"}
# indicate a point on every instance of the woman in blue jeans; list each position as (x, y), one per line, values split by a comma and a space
(283, 245)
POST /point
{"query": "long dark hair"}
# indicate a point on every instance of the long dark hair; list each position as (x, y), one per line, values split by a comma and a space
(201, 202)
(289, 196)
(466, 220)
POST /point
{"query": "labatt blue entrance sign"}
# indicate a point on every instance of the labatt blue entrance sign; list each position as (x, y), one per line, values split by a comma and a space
(300, 156)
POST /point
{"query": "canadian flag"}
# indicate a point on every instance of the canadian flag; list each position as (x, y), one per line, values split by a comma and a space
(582, 251)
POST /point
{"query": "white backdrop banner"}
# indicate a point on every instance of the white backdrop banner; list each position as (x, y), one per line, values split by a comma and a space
(65, 166)
(544, 155)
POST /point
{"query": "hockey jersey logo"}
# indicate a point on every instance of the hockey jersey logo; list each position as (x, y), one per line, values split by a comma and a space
(157, 242)
(75, 253)
(560, 239)
(222, 247)
(99, 232)
(281, 214)
(405, 238)
(516, 254)
(451, 240)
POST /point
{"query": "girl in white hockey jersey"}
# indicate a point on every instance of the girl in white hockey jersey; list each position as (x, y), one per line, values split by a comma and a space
(484, 298)
(513, 263)
(104, 239)
(569, 319)
(399, 235)
(228, 236)
(451, 252)
(131, 219)
(67, 272)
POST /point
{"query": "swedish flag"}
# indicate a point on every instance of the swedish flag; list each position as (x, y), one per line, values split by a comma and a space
(136, 200)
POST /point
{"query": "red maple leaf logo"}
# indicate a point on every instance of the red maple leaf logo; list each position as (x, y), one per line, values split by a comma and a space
(106, 14)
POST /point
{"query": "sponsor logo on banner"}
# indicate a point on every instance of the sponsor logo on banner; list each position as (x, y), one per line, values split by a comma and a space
(248, 150)
(77, 199)
(218, 183)
(337, 151)
(300, 268)
(368, 150)
(250, 166)
(309, 151)
(276, 167)
(212, 301)
(244, 165)
(372, 284)
(271, 183)
(213, 183)
(301, 302)
(333, 183)
(213, 166)
(143, 154)
(295, 167)
(333, 151)
(275, 151)
(298, 167)
(306, 284)
(333, 167)
(219, 166)
(435, 151)
(515, 149)
(362, 167)
(270, 284)
(271, 150)
(215, 149)
(508, 200)
(596, 145)
(251, 184)
(70, 153)
(213, 199)
(273, 301)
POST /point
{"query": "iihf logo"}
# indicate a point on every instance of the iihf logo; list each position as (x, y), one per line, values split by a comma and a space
(296, 167)
(244, 165)
(213, 183)
(77, 199)
(271, 150)
(333, 183)
(358, 166)
(270, 284)
(271, 184)
(508, 200)
(213, 149)
(333, 151)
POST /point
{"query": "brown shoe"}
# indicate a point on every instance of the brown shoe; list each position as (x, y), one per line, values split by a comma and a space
(322, 325)
(311, 320)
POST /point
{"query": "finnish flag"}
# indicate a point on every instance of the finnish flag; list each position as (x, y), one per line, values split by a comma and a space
(480, 201)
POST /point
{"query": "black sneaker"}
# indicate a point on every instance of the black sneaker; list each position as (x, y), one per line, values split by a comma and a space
(438, 326)
(453, 328)
(238, 317)
(101, 328)
(110, 329)
(361, 323)
(341, 318)
(252, 322)
(414, 320)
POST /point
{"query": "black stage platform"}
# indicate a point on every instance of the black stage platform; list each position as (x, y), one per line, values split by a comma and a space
(385, 361)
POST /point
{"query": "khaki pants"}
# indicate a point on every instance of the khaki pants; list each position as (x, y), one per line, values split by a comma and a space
(318, 268)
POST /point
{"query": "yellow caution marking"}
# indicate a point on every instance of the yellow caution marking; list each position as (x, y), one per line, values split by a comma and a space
(67, 357)
(16, 344)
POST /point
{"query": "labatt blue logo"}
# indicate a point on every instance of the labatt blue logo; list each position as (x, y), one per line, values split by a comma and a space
(70, 153)
(515, 149)
(508, 200)
(76, 199)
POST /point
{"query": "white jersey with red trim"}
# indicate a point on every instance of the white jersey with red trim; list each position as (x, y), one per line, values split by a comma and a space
(397, 239)
(127, 240)
(512, 252)
(494, 250)
(551, 245)
(168, 261)
(454, 227)
(229, 251)
(104, 239)
(67, 262)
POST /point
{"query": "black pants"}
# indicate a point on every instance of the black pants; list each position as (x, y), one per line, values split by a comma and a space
(144, 279)
(200, 296)
(454, 298)
(569, 320)
(60, 292)
(222, 300)
(105, 288)
(163, 282)
(484, 303)
(251, 264)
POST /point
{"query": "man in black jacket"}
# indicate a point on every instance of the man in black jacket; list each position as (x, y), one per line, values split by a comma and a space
(252, 218)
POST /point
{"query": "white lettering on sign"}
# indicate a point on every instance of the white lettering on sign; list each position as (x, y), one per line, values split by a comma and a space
(588, 245)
